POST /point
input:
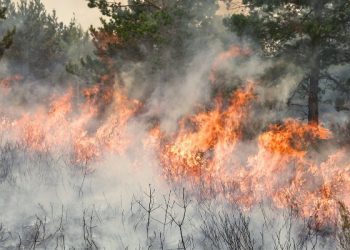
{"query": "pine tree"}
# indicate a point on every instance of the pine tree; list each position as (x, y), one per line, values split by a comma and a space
(161, 34)
(313, 34)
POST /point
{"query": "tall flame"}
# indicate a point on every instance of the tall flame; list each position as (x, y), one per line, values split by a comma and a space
(282, 167)
(282, 170)
(59, 128)
(203, 140)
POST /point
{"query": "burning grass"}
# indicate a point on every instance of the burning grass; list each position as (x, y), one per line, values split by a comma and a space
(282, 168)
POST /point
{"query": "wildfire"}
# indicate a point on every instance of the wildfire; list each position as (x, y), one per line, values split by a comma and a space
(292, 137)
(284, 171)
(282, 167)
(281, 171)
(61, 128)
(203, 140)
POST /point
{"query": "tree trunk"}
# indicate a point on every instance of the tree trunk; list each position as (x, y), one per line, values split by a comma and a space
(315, 65)
(313, 92)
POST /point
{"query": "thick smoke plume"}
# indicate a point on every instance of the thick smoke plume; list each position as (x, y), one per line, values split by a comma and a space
(202, 162)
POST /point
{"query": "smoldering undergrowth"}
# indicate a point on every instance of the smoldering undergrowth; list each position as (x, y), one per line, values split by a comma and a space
(49, 204)
(123, 201)
(50, 201)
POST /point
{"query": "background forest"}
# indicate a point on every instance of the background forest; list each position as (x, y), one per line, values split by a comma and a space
(176, 124)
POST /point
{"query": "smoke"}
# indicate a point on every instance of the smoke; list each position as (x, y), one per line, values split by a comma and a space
(185, 93)
(107, 209)
(122, 198)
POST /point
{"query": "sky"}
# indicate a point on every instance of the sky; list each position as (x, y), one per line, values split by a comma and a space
(67, 9)
(86, 16)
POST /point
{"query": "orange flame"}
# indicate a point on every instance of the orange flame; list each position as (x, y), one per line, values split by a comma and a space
(59, 128)
(281, 167)
(282, 171)
(292, 138)
(200, 147)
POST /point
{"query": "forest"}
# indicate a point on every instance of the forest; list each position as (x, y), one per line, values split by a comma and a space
(176, 124)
